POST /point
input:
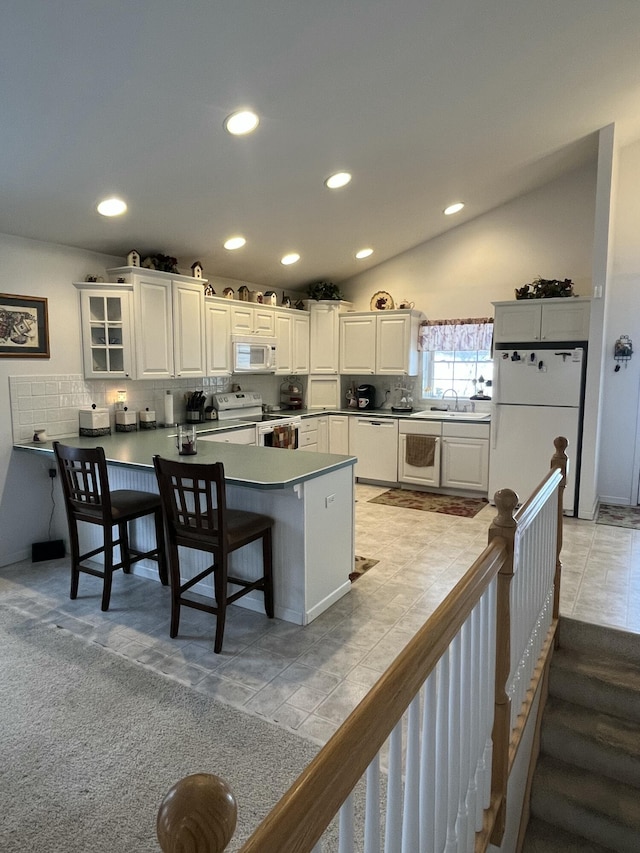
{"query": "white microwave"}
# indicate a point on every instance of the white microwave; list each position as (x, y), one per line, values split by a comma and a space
(254, 354)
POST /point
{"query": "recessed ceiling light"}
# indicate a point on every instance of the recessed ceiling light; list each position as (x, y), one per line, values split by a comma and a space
(340, 179)
(241, 122)
(291, 258)
(364, 253)
(453, 208)
(112, 207)
(234, 243)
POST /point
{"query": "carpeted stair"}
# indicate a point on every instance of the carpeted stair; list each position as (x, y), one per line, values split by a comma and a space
(586, 787)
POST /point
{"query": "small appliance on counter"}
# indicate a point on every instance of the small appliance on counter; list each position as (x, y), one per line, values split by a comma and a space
(291, 394)
(366, 397)
(403, 401)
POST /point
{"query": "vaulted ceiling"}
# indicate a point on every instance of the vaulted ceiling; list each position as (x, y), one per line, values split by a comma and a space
(425, 102)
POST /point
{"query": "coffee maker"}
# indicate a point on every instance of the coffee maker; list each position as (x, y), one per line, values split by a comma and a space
(366, 397)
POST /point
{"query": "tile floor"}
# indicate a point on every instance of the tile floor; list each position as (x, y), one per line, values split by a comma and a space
(309, 679)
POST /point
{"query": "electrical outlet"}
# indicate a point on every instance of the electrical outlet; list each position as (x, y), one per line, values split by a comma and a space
(52, 473)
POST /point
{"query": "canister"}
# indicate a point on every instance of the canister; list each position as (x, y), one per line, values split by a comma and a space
(94, 421)
(148, 419)
(126, 420)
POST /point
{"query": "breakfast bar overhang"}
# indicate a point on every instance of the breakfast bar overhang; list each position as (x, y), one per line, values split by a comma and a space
(310, 496)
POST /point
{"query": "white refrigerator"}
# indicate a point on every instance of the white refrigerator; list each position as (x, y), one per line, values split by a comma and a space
(538, 395)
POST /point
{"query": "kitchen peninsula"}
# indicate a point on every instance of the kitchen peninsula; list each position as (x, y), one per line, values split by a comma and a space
(310, 496)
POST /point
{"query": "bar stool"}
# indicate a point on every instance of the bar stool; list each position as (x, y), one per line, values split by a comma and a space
(88, 498)
(194, 507)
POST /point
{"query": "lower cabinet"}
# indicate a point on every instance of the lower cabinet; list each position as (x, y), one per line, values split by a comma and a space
(419, 475)
(465, 463)
(339, 434)
(314, 434)
(460, 459)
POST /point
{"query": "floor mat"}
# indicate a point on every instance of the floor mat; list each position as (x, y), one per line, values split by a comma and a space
(431, 502)
(619, 516)
(362, 565)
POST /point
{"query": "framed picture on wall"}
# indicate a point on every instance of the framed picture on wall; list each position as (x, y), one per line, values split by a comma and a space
(24, 326)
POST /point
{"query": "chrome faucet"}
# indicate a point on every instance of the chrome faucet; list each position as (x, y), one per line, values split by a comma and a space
(455, 393)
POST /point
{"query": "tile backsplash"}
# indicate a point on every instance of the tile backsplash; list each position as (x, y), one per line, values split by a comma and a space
(51, 402)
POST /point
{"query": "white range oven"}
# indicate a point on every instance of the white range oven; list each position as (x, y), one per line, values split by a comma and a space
(272, 429)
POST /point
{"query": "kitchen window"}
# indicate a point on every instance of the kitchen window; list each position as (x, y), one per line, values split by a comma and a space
(456, 355)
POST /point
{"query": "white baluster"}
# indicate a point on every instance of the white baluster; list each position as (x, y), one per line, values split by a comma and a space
(345, 826)
(428, 764)
(454, 746)
(372, 838)
(442, 752)
(410, 819)
(393, 829)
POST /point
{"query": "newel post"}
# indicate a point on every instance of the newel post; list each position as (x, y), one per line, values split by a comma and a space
(197, 815)
(559, 460)
(503, 526)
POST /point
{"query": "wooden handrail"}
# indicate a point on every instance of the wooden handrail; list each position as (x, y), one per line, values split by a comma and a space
(197, 815)
(194, 823)
(300, 818)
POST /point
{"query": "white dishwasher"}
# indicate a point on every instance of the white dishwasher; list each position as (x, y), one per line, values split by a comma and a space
(375, 443)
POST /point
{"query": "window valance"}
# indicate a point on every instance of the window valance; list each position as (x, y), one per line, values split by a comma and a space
(456, 335)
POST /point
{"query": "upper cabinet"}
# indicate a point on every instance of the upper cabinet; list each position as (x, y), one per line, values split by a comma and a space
(218, 336)
(168, 322)
(380, 342)
(106, 330)
(324, 336)
(553, 320)
(247, 319)
(292, 341)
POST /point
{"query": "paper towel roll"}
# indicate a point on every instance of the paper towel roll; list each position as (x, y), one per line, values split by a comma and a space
(168, 408)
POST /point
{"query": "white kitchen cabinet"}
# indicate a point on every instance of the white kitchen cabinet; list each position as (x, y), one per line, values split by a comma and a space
(106, 331)
(419, 475)
(323, 392)
(374, 441)
(292, 342)
(461, 459)
(244, 435)
(358, 343)
(308, 435)
(324, 336)
(218, 336)
(168, 323)
(323, 434)
(380, 342)
(300, 342)
(465, 456)
(247, 319)
(529, 320)
(339, 434)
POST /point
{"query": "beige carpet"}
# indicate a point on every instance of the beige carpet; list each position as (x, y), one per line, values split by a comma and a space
(431, 502)
(91, 742)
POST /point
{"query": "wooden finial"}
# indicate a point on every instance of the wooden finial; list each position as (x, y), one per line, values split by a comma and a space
(197, 815)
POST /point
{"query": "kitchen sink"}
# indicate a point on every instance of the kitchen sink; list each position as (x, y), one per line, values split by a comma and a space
(454, 416)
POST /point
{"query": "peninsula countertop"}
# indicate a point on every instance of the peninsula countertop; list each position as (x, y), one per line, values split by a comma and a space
(244, 465)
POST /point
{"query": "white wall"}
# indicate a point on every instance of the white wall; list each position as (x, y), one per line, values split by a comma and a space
(619, 462)
(547, 233)
(32, 268)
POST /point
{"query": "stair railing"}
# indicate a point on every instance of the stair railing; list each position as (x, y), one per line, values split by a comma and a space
(423, 762)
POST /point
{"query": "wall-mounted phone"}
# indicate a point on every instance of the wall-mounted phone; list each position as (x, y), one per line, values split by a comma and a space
(622, 351)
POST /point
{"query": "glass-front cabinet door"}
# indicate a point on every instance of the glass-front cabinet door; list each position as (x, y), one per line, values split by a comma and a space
(106, 333)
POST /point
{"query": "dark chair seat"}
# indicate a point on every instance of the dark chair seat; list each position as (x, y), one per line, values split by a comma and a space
(196, 516)
(87, 497)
